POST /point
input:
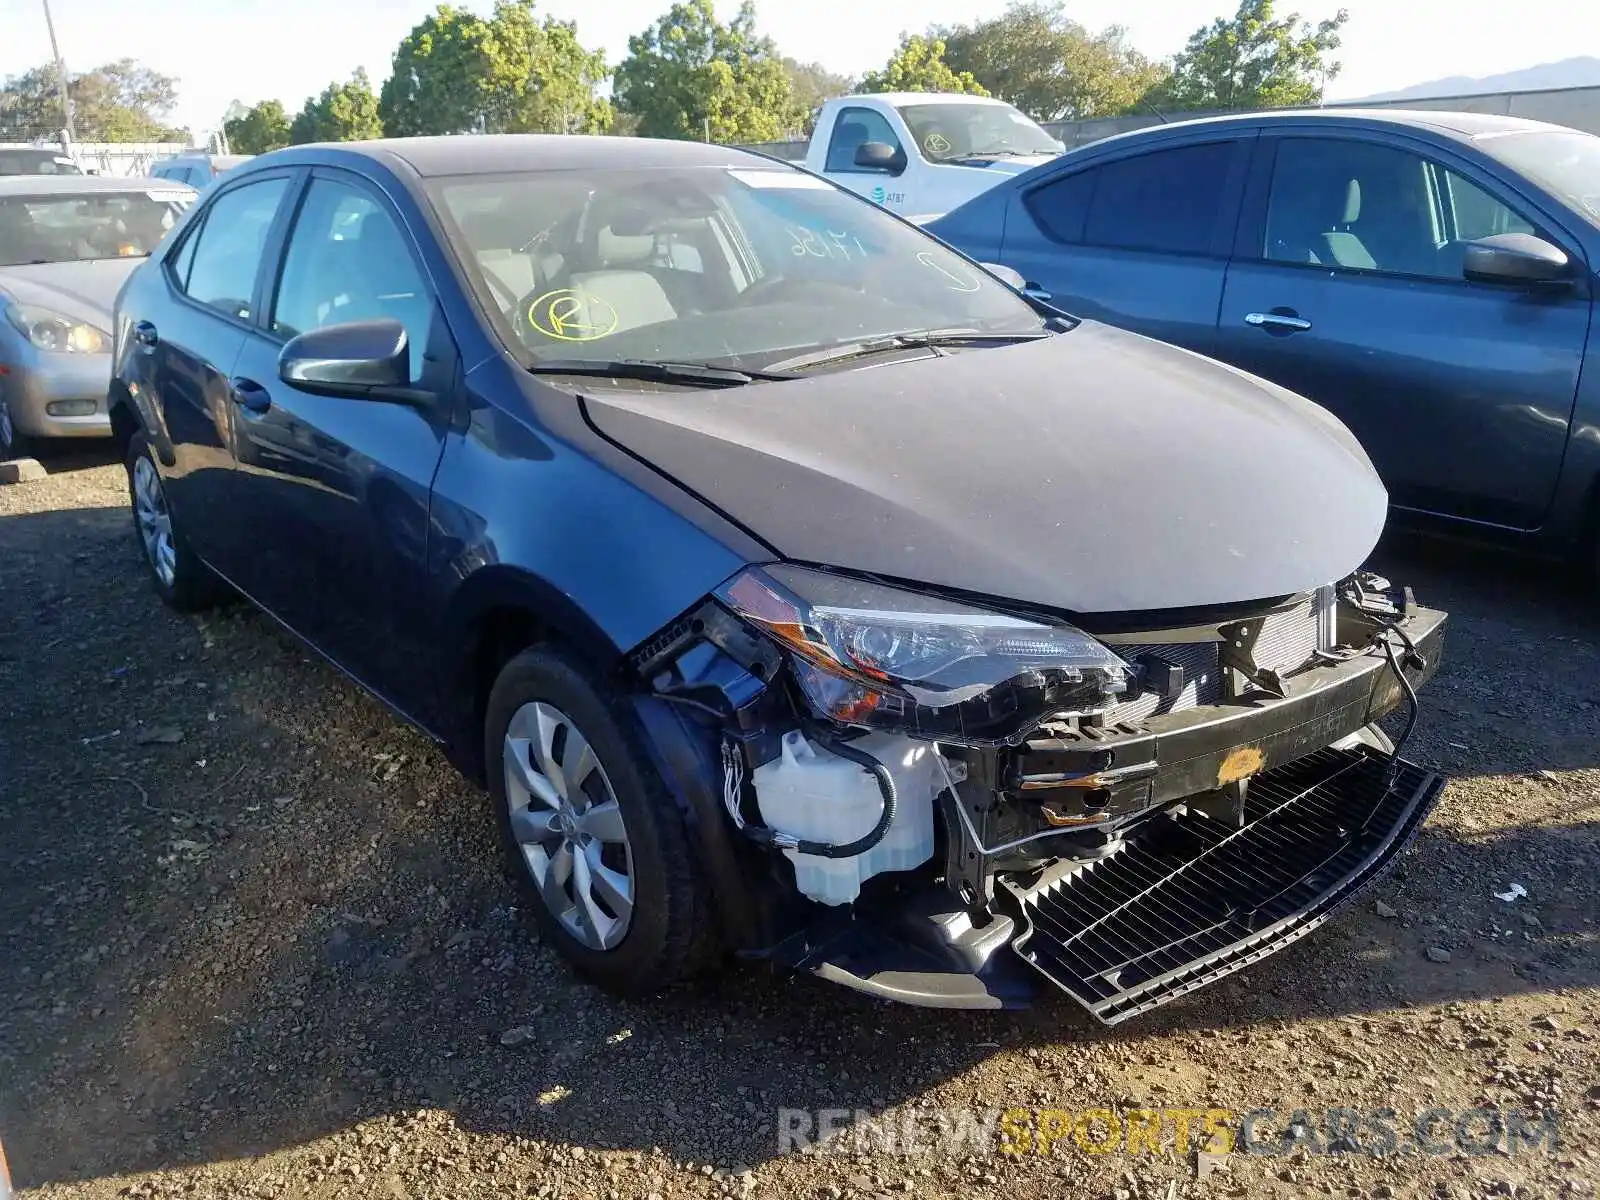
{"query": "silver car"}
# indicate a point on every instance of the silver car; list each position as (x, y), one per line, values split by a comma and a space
(66, 245)
(198, 170)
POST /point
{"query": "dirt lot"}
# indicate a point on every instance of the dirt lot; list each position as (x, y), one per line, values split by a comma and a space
(254, 941)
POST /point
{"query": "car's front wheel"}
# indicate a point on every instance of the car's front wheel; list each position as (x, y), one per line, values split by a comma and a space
(180, 578)
(590, 832)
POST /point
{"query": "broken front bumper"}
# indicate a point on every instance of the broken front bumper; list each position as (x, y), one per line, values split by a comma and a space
(1180, 899)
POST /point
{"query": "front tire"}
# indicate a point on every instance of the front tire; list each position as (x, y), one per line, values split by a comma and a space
(590, 832)
(181, 580)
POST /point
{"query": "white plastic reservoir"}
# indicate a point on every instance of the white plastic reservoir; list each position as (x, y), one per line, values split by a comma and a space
(820, 797)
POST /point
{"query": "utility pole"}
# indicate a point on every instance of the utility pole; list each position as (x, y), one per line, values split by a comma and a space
(61, 75)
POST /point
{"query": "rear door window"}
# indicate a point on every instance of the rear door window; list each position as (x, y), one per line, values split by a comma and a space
(1167, 201)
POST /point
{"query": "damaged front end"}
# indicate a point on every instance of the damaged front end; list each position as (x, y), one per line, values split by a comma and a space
(944, 803)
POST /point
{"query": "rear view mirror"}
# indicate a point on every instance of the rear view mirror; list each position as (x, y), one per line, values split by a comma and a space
(357, 358)
(1516, 258)
(1008, 276)
(880, 156)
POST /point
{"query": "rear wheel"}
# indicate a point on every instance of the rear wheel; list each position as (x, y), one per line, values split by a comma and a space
(589, 830)
(180, 578)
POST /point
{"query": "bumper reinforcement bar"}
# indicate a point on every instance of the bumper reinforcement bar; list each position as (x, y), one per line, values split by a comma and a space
(1189, 900)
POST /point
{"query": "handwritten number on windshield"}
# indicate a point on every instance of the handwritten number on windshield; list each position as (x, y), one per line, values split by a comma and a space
(814, 243)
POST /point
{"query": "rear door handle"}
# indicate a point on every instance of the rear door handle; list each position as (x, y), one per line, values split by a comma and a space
(250, 395)
(144, 335)
(1277, 322)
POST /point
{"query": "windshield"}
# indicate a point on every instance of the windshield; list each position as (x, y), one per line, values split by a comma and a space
(952, 131)
(737, 267)
(1567, 164)
(68, 228)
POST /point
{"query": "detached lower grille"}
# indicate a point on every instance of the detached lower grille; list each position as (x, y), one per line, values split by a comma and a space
(1188, 901)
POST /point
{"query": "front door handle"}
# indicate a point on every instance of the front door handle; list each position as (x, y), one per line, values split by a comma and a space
(144, 335)
(1278, 321)
(250, 395)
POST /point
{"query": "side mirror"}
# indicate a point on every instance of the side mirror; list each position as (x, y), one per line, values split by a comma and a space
(363, 359)
(880, 156)
(1516, 258)
(1008, 276)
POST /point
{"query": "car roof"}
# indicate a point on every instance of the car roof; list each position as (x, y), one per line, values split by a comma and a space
(70, 185)
(1462, 126)
(510, 153)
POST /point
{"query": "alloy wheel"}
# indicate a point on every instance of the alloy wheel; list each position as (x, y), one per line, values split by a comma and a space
(155, 522)
(567, 822)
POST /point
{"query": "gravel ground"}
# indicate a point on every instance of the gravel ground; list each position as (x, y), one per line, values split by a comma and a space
(254, 941)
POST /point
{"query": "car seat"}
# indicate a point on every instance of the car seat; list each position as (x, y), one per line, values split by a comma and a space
(1312, 212)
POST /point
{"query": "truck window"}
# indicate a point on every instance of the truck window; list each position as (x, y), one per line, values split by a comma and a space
(853, 129)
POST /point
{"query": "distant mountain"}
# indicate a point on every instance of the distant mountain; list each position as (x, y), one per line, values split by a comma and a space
(1569, 72)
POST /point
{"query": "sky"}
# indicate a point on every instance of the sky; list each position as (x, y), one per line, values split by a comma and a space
(250, 50)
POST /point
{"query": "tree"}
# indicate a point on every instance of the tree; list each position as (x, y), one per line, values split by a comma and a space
(264, 127)
(118, 102)
(690, 76)
(1254, 61)
(919, 66)
(458, 72)
(344, 112)
(813, 85)
(1048, 65)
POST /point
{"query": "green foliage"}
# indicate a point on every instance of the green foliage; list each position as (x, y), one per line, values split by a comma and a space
(813, 85)
(458, 72)
(345, 112)
(919, 66)
(1254, 61)
(265, 127)
(1049, 66)
(689, 75)
(118, 102)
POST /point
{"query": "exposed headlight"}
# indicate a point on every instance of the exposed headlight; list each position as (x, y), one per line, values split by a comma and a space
(868, 654)
(57, 332)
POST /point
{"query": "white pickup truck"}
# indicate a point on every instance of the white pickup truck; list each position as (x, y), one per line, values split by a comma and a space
(923, 153)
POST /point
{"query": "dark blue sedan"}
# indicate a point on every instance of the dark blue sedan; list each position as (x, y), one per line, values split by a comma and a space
(1427, 277)
(798, 589)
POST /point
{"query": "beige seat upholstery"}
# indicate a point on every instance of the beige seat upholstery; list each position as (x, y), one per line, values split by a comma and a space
(627, 299)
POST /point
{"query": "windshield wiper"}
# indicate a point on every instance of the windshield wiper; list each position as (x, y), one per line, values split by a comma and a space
(688, 373)
(926, 340)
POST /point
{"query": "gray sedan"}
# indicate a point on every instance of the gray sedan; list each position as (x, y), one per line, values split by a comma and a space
(67, 243)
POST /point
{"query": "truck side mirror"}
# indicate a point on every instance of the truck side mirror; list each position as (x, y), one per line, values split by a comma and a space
(880, 156)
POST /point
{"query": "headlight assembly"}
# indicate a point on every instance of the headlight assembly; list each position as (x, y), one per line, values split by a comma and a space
(873, 655)
(56, 332)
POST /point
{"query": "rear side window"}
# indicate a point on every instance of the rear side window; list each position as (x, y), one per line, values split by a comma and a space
(1061, 207)
(1166, 201)
(227, 250)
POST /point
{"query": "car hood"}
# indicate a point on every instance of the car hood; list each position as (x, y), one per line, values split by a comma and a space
(83, 291)
(1091, 472)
